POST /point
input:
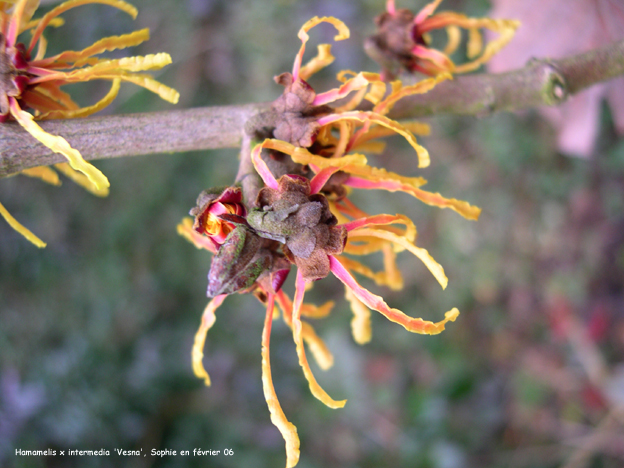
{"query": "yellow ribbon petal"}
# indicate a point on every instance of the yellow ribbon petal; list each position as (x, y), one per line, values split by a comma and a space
(59, 145)
(207, 321)
(278, 418)
(21, 229)
(43, 173)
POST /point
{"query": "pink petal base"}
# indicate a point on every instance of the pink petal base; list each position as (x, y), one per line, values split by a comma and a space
(315, 388)
(414, 325)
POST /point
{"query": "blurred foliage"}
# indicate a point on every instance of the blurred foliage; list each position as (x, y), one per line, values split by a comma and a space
(96, 329)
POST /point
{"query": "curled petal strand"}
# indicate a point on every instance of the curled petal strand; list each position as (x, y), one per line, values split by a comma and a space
(278, 418)
(383, 219)
(21, 229)
(343, 33)
(261, 168)
(80, 179)
(59, 145)
(207, 321)
(361, 322)
(421, 87)
(318, 348)
(15, 22)
(43, 173)
(414, 325)
(423, 154)
(454, 39)
(391, 277)
(320, 179)
(85, 111)
(63, 7)
(323, 58)
(475, 43)
(434, 199)
(353, 84)
(426, 11)
(441, 62)
(434, 267)
(106, 44)
(315, 388)
(145, 81)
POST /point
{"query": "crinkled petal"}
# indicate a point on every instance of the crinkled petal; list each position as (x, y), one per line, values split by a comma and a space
(315, 388)
(59, 145)
(43, 173)
(319, 180)
(261, 167)
(426, 11)
(106, 44)
(475, 43)
(81, 180)
(421, 87)
(359, 139)
(106, 68)
(414, 325)
(207, 321)
(423, 154)
(323, 58)
(361, 328)
(63, 7)
(390, 277)
(278, 418)
(440, 60)
(322, 355)
(54, 92)
(21, 229)
(15, 22)
(343, 33)
(145, 81)
(454, 39)
(85, 111)
(434, 199)
(352, 84)
(364, 246)
(381, 219)
(434, 267)
(40, 102)
(506, 29)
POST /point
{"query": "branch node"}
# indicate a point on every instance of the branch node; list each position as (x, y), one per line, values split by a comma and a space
(555, 89)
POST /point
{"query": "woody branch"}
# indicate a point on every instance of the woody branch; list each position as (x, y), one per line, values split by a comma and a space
(541, 82)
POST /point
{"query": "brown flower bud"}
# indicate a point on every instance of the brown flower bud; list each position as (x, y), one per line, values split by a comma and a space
(303, 222)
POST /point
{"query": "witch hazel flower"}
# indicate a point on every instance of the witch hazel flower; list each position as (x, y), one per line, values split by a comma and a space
(403, 40)
(297, 213)
(30, 81)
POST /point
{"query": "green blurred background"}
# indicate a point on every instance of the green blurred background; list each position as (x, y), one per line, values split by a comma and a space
(96, 329)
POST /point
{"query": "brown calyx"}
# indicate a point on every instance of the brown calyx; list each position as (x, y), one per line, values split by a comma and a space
(303, 222)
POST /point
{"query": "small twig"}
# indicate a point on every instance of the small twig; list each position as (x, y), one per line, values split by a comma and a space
(541, 82)
(127, 135)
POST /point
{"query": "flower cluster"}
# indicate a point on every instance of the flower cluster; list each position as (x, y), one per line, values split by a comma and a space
(31, 81)
(290, 207)
(403, 40)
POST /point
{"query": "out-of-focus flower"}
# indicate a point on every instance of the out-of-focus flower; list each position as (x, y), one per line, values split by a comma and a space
(304, 155)
(31, 81)
(566, 29)
(403, 40)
